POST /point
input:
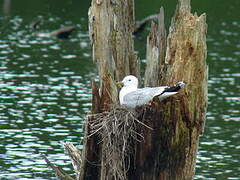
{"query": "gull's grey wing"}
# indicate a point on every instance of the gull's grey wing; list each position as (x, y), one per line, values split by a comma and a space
(141, 96)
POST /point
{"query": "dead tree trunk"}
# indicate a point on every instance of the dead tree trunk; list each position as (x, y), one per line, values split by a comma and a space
(168, 150)
(111, 24)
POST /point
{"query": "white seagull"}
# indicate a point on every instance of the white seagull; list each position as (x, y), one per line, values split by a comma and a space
(131, 96)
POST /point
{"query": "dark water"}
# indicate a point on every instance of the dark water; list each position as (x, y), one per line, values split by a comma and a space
(45, 85)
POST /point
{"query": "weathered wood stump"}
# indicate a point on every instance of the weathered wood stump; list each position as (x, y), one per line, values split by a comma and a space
(169, 130)
(169, 151)
(111, 24)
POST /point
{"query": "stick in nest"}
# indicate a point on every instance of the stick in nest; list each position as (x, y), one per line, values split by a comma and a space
(117, 130)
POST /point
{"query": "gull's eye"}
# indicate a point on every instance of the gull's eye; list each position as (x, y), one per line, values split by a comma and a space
(129, 80)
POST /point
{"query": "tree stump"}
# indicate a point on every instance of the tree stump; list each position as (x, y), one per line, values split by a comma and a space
(111, 24)
(169, 151)
(169, 129)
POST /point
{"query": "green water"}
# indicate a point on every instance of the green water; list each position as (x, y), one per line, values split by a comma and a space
(45, 85)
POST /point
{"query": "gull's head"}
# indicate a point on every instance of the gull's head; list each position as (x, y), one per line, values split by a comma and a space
(181, 84)
(130, 81)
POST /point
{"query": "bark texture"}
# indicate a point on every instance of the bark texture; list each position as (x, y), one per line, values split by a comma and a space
(169, 151)
(156, 51)
(111, 24)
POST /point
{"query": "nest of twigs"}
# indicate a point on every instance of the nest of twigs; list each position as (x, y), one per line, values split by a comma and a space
(117, 130)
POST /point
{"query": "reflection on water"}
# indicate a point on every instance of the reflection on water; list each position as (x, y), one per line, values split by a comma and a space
(45, 93)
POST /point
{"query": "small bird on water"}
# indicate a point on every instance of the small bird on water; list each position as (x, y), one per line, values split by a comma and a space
(131, 96)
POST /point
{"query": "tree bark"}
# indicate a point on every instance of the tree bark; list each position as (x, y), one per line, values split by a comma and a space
(111, 24)
(156, 51)
(169, 151)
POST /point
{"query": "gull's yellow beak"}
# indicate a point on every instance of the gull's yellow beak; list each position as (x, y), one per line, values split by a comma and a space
(120, 83)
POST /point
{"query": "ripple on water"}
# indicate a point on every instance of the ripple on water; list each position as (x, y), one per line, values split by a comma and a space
(43, 98)
(218, 148)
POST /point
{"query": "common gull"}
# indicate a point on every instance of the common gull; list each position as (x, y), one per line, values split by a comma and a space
(131, 96)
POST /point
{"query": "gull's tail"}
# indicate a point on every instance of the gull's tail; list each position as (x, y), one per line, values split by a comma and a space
(169, 91)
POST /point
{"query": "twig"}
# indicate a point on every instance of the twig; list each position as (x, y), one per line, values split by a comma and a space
(75, 155)
(116, 129)
(58, 171)
(139, 26)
